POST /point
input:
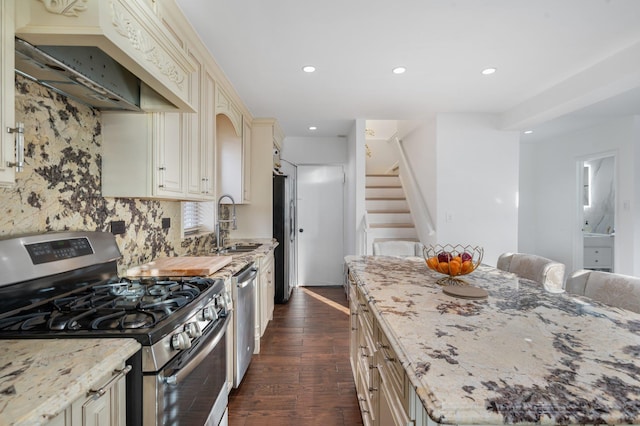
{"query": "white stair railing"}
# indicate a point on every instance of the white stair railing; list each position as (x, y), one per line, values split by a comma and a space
(417, 205)
(365, 235)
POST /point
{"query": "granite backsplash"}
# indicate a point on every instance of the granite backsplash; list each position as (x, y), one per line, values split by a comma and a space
(60, 187)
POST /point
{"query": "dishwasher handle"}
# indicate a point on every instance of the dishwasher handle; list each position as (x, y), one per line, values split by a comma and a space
(245, 277)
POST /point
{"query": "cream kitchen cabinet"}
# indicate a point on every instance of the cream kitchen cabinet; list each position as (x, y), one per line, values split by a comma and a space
(200, 167)
(225, 106)
(104, 404)
(143, 155)
(233, 140)
(7, 95)
(267, 290)
(393, 385)
(127, 30)
(199, 161)
(382, 386)
(246, 160)
(264, 300)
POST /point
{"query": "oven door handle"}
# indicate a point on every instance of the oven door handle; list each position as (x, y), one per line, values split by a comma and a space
(195, 361)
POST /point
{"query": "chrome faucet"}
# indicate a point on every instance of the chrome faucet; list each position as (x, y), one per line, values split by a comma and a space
(232, 220)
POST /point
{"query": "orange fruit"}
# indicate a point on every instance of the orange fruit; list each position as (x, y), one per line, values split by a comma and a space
(432, 262)
(443, 267)
(454, 268)
(467, 267)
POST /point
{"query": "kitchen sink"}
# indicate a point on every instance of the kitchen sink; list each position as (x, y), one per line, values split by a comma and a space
(238, 248)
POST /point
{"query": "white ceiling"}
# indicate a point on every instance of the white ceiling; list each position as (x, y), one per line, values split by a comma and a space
(554, 57)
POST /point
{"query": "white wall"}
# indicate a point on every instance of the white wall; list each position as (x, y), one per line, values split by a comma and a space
(635, 196)
(255, 220)
(420, 145)
(354, 191)
(477, 183)
(310, 150)
(527, 200)
(383, 156)
(468, 172)
(551, 182)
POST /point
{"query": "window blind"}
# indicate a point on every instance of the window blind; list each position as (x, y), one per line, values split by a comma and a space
(197, 217)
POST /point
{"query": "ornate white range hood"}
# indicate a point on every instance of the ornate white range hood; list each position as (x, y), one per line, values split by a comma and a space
(78, 34)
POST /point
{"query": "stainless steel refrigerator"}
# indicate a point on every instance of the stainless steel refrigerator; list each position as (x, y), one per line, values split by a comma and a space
(284, 231)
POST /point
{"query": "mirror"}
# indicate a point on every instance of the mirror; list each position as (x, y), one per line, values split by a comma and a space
(599, 195)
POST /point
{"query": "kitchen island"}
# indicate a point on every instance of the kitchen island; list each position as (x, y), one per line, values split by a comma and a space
(522, 355)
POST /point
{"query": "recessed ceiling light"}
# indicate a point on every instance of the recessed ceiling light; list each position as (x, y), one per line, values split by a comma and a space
(399, 70)
(528, 132)
(308, 68)
(489, 71)
(313, 128)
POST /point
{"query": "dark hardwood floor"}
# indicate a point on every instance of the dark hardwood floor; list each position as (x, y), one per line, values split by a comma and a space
(302, 375)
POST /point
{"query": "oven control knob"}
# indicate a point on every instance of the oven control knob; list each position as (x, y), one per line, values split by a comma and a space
(180, 341)
(193, 330)
(209, 313)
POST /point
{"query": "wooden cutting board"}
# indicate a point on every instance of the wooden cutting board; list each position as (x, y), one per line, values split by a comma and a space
(183, 266)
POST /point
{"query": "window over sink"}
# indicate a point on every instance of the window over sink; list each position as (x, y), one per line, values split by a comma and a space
(198, 217)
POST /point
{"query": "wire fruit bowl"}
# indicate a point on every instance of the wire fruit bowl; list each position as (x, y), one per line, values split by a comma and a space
(453, 261)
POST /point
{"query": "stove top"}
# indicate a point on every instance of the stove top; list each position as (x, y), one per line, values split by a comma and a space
(118, 304)
(68, 286)
(143, 309)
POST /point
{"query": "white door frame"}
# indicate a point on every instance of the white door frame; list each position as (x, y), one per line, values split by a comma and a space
(578, 237)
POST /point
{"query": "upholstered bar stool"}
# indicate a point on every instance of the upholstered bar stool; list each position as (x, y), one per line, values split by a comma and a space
(622, 291)
(546, 272)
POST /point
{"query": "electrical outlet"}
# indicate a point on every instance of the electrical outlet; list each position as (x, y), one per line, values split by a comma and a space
(118, 227)
(166, 222)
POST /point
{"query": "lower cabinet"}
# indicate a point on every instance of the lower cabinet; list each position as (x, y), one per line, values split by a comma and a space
(104, 404)
(393, 385)
(265, 296)
(598, 258)
(382, 386)
(267, 286)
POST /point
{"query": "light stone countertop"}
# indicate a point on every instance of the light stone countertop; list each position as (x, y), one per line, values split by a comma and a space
(39, 378)
(240, 260)
(520, 356)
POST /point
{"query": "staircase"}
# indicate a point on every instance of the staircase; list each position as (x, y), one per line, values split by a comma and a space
(388, 213)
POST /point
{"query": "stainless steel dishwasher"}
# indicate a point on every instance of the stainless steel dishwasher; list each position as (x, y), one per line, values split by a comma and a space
(244, 294)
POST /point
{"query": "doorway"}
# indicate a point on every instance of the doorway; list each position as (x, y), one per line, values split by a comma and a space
(320, 225)
(597, 212)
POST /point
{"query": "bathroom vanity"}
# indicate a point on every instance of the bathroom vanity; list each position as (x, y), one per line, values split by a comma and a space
(598, 252)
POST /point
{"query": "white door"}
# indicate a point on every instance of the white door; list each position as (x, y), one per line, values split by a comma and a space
(320, 225)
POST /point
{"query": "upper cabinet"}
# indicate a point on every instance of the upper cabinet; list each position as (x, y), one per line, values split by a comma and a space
(200, 167)
(246, 159)
(8, 139)
(233, 140)
(181, 156)
(228, 108)
(143, 155)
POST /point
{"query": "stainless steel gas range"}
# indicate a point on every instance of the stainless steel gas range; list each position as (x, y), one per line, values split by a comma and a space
(66, 285)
